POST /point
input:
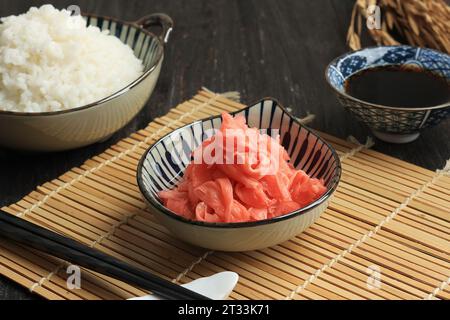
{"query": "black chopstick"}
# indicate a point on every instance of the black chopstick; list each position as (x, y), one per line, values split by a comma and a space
(31, 235)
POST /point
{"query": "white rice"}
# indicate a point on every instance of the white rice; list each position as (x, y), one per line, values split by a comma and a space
(50, 60)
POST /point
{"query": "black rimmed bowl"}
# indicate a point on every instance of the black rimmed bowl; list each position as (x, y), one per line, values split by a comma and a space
(390, 124)
(163, 164)
(84, 125)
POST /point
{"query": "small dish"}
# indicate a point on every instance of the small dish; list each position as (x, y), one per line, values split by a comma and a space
(157, 170)
(390, 124)
(84, 125)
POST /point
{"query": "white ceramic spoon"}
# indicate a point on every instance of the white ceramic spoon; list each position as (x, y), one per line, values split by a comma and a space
(217, 287)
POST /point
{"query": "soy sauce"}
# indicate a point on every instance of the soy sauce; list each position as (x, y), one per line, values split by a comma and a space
(399, 87)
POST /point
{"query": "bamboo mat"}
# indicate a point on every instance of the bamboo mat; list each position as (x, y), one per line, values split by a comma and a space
(387, 216)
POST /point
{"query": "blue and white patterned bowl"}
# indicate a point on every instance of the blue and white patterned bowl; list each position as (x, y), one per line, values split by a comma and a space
(162, 167)
(84, 125)
(397, 125)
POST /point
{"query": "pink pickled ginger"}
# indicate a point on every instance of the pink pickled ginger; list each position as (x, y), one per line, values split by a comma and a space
(249, 179)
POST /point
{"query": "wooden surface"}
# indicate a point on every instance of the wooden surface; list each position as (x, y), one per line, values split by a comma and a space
(260, 48)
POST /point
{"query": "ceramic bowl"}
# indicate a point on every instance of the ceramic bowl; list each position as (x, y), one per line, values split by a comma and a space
(163, 164)
(84, 125)
(396, 125)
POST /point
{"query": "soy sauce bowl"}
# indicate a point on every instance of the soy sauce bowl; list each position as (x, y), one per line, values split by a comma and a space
(390, 124)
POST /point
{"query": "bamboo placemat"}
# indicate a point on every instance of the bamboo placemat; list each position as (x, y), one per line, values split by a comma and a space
(387, 216)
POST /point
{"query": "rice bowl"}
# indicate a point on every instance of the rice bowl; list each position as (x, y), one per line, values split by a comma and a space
(89, 123)
(50, 61)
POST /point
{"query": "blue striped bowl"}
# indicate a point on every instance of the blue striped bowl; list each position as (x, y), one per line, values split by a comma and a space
(84, 125)
(162, 167)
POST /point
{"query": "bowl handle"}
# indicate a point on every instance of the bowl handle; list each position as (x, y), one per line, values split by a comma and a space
(157, 19)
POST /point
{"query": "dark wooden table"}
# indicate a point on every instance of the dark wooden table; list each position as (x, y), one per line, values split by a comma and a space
(260, 48)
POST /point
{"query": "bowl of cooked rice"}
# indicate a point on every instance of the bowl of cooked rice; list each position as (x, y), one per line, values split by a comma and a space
(67, 81)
